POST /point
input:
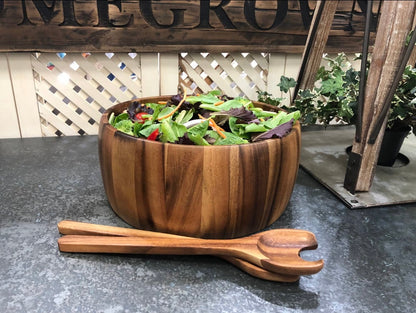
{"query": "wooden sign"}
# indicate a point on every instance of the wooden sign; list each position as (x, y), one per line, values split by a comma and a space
(172, 25)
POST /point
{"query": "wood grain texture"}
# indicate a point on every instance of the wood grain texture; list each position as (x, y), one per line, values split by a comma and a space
(276, 250)
(209, 192)
(396, 22)
(8, 119)
(316, 42)
(80, 228)
(166, 25)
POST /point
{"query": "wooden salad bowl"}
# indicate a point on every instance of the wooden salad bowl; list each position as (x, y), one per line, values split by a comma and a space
(199, 191)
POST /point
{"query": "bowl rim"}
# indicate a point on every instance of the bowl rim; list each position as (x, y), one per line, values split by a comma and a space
(123, 105)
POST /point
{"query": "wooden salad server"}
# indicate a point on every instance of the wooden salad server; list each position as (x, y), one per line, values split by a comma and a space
(80, 228)
(275, 250)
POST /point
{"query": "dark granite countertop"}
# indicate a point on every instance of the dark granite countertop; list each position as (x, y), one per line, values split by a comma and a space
(370, 254)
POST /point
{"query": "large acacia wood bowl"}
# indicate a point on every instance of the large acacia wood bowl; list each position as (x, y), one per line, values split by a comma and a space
(200, 191)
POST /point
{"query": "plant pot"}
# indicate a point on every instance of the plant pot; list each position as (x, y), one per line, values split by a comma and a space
(391, 145)
(201, 191)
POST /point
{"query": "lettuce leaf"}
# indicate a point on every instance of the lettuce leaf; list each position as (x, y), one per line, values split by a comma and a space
(199, 129)
(256, 128)
(241, 113)
(209, 98)
(121, 117)
(230, 139)
(198, 139)
(125, 126)
(171, 131)
(277, 132)
(146, 130)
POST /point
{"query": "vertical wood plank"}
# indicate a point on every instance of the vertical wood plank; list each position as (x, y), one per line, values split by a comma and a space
(412, 59)
(395, 23)
(316, 42)
(25, 94)
(9, 123)
(149, 63)
(275, 71)
(292, 66)
(169, 73)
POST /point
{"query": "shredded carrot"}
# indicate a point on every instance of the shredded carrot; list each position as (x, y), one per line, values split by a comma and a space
(218, 103)
(176, 109)
(214, 126)
(162, 102)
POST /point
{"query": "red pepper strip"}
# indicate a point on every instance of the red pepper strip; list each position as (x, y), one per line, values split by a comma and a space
(154, 134)
(139, 117)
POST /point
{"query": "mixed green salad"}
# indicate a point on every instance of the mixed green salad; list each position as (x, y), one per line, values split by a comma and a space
(206, 119)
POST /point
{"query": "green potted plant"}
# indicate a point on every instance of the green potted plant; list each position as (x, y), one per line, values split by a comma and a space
(402, 117)
(334, 99)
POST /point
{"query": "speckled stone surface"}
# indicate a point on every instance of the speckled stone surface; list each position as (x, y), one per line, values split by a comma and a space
(370, 254)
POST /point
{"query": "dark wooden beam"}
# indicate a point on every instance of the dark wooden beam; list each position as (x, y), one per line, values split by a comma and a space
(169, 26)
(315, 44)
(389, 52)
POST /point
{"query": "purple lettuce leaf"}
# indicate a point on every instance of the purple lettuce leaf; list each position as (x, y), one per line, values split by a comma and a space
(133, 108)
(243, 115)
(185, 105)
(277, 132)
(136, 107)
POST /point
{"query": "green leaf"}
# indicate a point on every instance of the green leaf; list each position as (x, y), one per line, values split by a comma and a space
(227, 105)
(199, 129)
(157, 108)
(171, 131)
(125, 126)
(265, 97)
(198, 140)
(238, 129)
(213, 134)
(322, 73)
(148, 129)
(275, 120)
(209, 98)
(165, 111)
(188, 116)
(255, 128)
(262, 113)
(293, 115)
(230, 139)
(331, 85)
(306, 94)
(121, 117)
(136, 129)
(286, 83)
(180, 117)
(234, 127)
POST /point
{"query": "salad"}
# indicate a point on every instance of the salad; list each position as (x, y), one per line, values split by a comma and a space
(205, 119)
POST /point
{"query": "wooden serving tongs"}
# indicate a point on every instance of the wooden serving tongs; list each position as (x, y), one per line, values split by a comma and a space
(270, 255)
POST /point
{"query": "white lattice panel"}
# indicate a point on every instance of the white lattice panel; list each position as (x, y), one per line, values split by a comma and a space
(235, 74)
(73, 90)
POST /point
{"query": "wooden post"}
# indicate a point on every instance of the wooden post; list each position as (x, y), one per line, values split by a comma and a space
(396, 21)
(169, 73)
(412, 59)
(315, 44)
(9, 120)
(24, 94)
